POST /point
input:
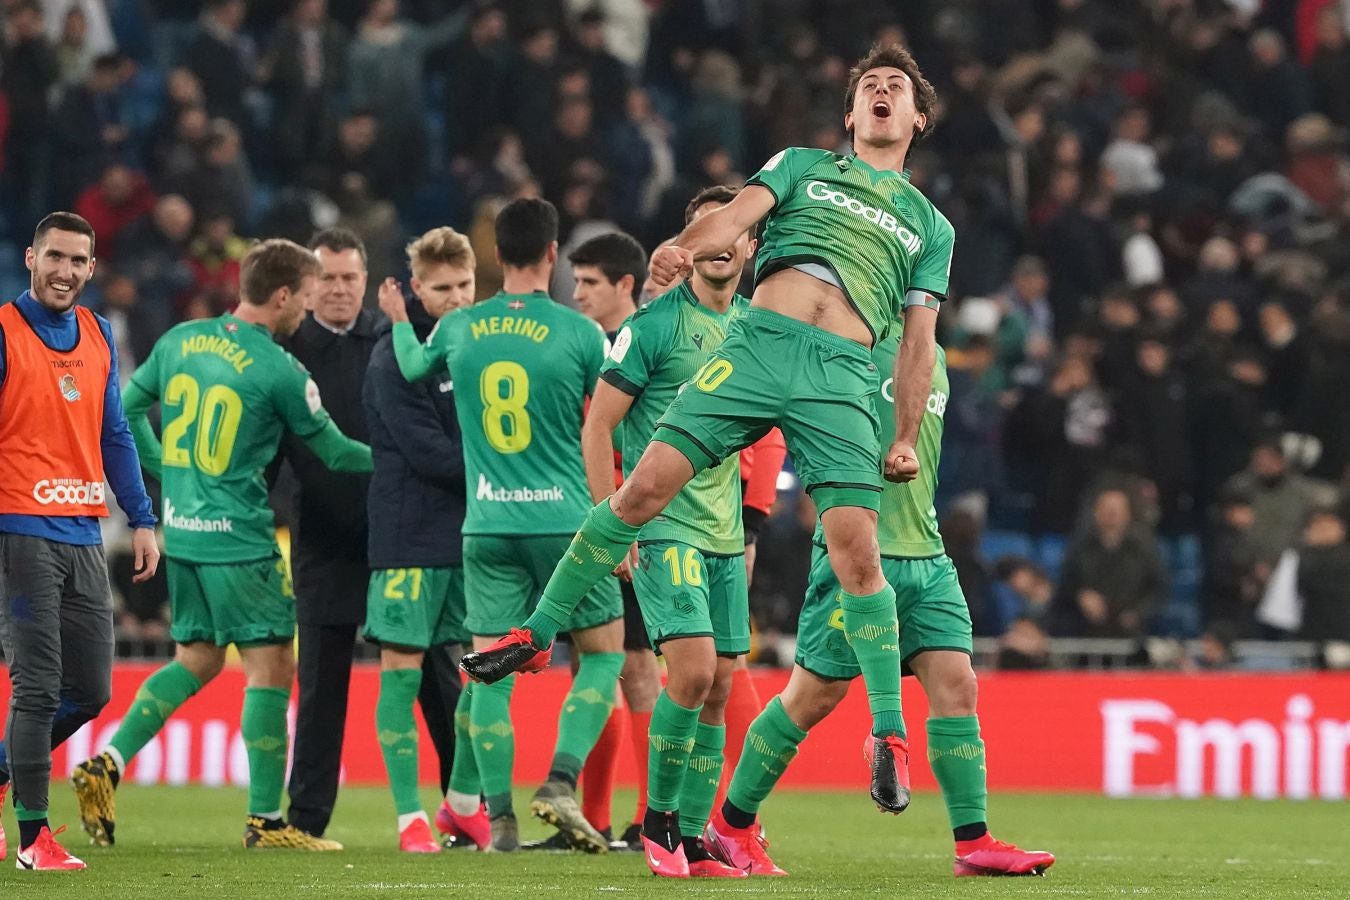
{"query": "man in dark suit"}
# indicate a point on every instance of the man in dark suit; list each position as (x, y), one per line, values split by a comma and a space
(328, 545)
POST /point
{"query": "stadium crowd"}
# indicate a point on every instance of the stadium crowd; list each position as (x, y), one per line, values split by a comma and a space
(1149, 322)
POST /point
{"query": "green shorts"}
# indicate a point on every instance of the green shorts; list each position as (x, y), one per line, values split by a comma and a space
(416, 607)
(928, 600)
(685, 592)
(250, 604)
(505, 576)
(773, 370)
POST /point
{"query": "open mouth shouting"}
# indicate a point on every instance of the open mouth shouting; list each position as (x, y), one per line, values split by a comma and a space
(881, 109)
(722, 257)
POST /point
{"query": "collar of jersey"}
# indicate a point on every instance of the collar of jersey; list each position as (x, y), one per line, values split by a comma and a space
(854, 160)
(242, 324)
(687, 292)
(504, 294)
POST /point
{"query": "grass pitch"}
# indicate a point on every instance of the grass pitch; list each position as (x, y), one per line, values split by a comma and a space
(184, 842)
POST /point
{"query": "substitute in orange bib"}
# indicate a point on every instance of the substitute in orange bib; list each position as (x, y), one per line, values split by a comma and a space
(62, 435)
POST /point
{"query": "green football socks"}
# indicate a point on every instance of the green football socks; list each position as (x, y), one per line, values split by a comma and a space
(600, 545)
(494, 742)
(156, 699)
(670, 741)
(397, 733)
(956, 755)
(873, 631)
(703, 774)
(263, 726)
(770, 744)
(584, 712)
(464, 771)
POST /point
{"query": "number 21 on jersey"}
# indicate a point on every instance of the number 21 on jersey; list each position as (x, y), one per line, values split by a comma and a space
(505, 389)
(216, 411)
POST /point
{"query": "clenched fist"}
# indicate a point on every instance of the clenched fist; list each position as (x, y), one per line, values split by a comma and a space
(901, 464)
(670, 264)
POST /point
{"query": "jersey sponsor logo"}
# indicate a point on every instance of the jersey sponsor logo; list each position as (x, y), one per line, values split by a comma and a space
(68, 388)
(819, 190)
(487, 492)
(226, 349)
(67, 363)
(312, 398)
(937, 401)
(195, 523)
(521, 326)
(73, 491)
(621, 344)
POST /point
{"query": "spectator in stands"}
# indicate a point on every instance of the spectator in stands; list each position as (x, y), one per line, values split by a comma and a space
(1277, 88)
(221, 179)
(476, 67)
(1026, 316)
(363, 164)
(609, 77)
(182, 90)
(119, 197)
(1287, 350)
(1323, 574)
(1228, 415)
(1130, 163)
(643, 159)
(153, 252)
(1329, 70)
(1023, 646)
(1231, 588)
(102, 132)
(222, 59)
(215, 257)
(303, 69)
(574, 151)
(28, 70)
(534, 68)
(961, 537)
(1154, 409)
(1282, 500)
(1066, 421)
(1113, 578)
(1024, 591)
(384, 72)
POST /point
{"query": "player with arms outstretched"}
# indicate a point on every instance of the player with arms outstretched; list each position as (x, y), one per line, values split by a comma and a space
(226, 390)
(935, 645)
(523, 367)
(849, 247)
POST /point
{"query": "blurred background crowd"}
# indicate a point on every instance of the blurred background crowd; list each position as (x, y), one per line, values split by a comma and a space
(1148, 437)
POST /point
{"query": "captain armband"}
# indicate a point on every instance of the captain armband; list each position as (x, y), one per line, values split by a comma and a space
(922, 298)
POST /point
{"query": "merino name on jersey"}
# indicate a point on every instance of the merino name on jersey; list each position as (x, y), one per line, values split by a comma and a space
(523, 366)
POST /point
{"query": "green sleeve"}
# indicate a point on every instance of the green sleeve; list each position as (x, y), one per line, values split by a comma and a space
(136, 401)
(594, 346)
(783, 170)
(415, 359)
(934, 267)
(296, 399)
(639, 349)
(339, 452)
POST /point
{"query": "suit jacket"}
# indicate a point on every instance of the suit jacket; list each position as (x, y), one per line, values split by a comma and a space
(328, 548)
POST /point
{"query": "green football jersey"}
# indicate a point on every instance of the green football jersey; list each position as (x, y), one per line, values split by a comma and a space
(523, 367)
(226, 391)
(659, 348)
(879, 235)
(907, 527)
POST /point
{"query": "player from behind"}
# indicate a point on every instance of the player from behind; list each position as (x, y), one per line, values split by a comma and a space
(523, 367)
(690, 577)
(226, 390)
(935, 644)
(849, 247)
(416, 596)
